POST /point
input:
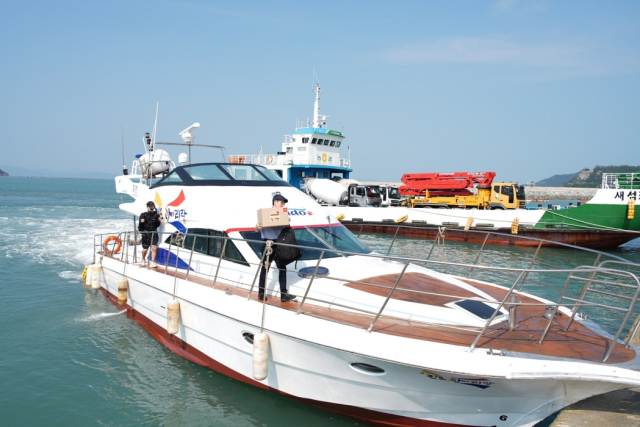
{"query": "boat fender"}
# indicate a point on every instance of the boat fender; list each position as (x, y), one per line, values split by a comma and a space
(514, 226)
(632, 209)
(340, 217)
(402, 219)
(123, 286)
(173, 316)
(85, 277)
(88, 272)
(468, 224)
(95, 276)
(260, 356)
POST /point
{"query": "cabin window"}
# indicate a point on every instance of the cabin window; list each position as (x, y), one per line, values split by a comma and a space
(172, 177)
(325, 174)
(207, 172)
(313, 141)
(333, 143)
(277, 172)
(305, 140)
(320, 141)
(338, 143)
(496, 189)
(243, 173)
(367, 369)
(207, 243)
(300, 174)
(342, 239)
(315, 174)
(478, 308)
(306, 240)
(289, 150)
(302, 148)
(360, 191)
(326, 142)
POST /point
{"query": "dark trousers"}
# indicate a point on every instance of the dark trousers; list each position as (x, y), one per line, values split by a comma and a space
(282, 274)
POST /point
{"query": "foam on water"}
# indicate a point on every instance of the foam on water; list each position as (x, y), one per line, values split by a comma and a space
(99, 316)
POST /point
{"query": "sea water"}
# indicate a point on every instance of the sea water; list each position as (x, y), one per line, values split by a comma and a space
(69, 357)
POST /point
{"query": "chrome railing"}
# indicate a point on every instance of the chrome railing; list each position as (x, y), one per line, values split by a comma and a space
(600, 279)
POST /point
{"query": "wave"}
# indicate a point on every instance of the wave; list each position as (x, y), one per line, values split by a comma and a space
(99, 316)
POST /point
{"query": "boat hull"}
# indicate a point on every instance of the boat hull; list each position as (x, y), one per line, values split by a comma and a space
(593, 239)
(321, 376)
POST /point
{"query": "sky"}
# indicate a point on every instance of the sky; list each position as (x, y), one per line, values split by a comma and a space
(527, 89)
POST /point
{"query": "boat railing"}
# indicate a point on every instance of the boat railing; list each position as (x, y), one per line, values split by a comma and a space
(614, 279)
(624, 181)
(322, 159)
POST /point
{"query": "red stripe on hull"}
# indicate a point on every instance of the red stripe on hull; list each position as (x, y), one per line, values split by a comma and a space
(183, 349)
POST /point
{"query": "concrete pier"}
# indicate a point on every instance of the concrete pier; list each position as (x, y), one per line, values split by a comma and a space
(559, 193)
(619, 408)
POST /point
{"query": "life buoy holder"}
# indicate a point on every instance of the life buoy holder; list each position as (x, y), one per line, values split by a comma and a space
(118, 244)
(270, 160)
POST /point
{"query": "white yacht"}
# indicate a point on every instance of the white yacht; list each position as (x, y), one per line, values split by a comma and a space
(382, 340)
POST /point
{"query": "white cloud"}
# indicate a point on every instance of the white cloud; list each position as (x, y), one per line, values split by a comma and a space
(575, 57)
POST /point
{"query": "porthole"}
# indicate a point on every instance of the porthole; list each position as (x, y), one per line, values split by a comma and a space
(365, 368)
(248, 337)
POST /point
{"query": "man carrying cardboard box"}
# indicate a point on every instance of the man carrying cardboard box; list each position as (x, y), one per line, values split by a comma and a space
(270, 232)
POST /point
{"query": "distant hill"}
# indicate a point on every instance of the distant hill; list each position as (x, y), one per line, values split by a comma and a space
(3, 173)
(556, 180)
(46, 173)
(592, 178)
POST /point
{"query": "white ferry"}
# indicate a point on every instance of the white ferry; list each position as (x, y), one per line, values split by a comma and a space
(311, 151)
(383, 340)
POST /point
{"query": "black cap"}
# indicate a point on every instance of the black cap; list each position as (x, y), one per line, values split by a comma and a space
(280, 197)
(153, 205)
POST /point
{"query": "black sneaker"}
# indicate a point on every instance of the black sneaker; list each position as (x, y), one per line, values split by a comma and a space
(261, 296)
(287, 297)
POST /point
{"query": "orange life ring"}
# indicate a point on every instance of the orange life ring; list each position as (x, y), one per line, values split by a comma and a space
(324, 157)
(241, 159)
(118, 243)
(270, 159)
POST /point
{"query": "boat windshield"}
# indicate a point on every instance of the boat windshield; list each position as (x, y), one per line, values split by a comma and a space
(331, 237)
(223, 175)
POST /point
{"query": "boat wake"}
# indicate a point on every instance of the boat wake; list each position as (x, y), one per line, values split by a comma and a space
(99, 316)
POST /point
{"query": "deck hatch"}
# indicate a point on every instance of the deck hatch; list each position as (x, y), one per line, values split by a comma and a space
(478, 308)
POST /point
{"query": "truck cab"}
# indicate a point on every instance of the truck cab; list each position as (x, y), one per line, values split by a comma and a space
(364, 195)
(390, 196)
(506, 195)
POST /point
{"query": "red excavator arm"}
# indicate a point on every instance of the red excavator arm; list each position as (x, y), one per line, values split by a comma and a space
(444, 184)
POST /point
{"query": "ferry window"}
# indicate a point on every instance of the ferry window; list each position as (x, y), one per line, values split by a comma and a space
(313, 141)
(320, 141)
(326, 142)
(206, 172)
(338, 143)
(305, 140)
(201, 242)
(231, 252)
(325, 174)
(302, 148)
(290, 150)
(305, 239)
(315, 174)
(341, 239)
(300, 174)
(333, 143)
(244, 172)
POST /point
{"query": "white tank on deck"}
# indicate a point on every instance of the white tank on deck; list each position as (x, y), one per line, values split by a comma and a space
(158, 160)
(326, 190)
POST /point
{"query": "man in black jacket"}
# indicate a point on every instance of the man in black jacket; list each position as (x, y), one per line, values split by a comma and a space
(148, 227)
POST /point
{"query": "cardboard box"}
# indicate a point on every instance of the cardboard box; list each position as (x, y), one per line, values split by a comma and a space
(273, 217)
